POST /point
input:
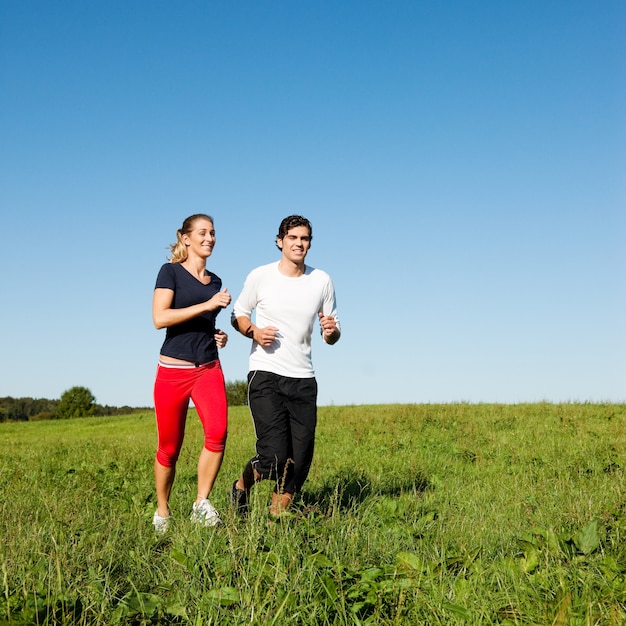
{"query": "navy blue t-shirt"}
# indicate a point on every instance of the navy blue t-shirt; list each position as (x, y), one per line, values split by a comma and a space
(192, 340)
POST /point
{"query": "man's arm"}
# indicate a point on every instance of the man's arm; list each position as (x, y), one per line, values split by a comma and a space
(263, 336)
(242, 324)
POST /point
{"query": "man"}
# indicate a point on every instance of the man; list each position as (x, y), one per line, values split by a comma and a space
(288, 296)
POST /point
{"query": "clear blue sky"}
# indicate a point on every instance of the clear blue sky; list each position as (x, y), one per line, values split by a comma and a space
(463, 164)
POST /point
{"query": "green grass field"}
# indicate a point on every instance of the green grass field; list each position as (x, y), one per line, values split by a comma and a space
(413, 514)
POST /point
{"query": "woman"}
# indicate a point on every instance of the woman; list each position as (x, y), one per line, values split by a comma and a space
(187, 299)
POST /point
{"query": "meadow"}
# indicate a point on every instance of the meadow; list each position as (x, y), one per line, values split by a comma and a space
(413, 514)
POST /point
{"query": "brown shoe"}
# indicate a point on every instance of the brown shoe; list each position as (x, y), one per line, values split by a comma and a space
(280, 503)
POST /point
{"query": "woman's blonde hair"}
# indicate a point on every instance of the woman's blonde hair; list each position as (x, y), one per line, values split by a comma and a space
(179, 249)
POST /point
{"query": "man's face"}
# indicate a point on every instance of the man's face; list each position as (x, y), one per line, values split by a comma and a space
(295, 244)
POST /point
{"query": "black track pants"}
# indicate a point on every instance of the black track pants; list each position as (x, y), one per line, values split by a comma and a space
(284, 411)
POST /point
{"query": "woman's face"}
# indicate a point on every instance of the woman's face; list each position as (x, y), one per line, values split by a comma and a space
(201, 240)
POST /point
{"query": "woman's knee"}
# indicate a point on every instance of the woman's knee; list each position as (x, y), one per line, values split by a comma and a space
(167, 457)
(214, 444)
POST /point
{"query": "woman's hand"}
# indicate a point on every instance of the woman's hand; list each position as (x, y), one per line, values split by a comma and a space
(221, 338)
(219, 301)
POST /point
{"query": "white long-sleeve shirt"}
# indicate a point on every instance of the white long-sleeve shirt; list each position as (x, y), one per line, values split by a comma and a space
(290, 304)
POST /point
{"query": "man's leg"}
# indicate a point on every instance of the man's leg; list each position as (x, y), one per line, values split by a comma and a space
(248, 477)
(302, 406)
(280, 503)
(271, 424)
(272, 435)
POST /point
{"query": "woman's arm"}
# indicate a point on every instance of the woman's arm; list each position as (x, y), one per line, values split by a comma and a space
(164, 316)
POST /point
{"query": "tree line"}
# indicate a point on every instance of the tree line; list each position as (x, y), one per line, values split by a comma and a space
(80, 402)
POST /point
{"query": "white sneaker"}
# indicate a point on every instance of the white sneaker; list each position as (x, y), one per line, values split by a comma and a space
(161, 524)
(204, 513)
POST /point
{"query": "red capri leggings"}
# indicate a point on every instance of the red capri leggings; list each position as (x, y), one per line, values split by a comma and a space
(173, 388)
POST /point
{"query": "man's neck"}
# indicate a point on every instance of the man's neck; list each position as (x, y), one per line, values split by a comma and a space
(291, 269)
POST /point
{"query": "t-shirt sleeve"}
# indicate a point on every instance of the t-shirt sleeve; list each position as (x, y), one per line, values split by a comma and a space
(166, 278)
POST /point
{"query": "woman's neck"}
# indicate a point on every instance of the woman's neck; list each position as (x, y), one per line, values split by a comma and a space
(195, 266)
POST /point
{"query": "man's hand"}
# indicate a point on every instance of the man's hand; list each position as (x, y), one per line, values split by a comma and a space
(265, 337)
(330, 332)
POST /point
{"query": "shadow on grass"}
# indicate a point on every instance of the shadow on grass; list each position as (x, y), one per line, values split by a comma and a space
(348, 491)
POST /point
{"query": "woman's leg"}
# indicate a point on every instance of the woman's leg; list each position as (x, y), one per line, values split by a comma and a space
(209, 397)
(164, 479)
(171, 401)
(209, 465)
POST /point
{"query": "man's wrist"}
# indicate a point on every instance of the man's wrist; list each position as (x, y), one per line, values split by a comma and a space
(243, 325)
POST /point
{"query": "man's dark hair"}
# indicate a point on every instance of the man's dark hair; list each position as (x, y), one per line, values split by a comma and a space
(291, 222)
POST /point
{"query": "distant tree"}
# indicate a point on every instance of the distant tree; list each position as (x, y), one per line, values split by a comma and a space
(106, 410)
(37, 409)
(237, 393)
(23, 409)
(76, 402)
(44, 415)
